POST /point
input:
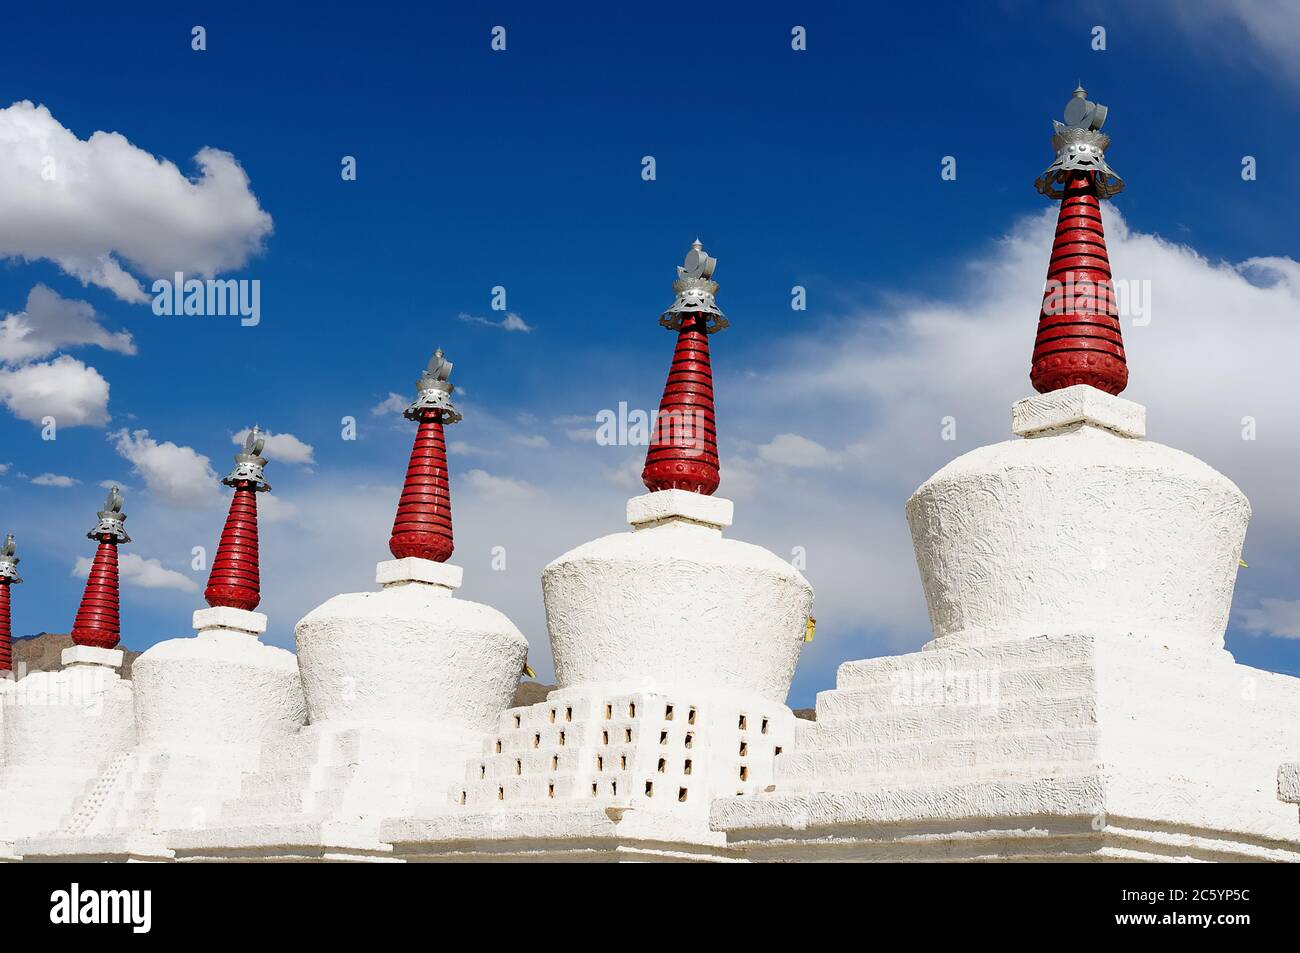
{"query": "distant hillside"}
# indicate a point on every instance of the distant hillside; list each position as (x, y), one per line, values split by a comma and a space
(41, 653)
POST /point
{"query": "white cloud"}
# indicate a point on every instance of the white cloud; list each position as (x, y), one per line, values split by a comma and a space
(792, 450)
(1276, 617)
(284, 447)
(535, 441)
(486, 485)
(109, 484)
(1270, 27)
(101, 205)
(174, 474)
(54, 479)
(134, 570)
(511, 322)
(66, 389)
(49, 323)
(392, 404)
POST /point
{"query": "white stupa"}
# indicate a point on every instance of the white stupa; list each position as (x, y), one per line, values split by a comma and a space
(402, 685)
(1076, 700)
(63, 730)
(206, 708)
(674, 649)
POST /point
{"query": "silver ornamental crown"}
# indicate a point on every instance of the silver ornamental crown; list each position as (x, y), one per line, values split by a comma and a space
(1080, 147)
(111, 519)
(434, 391)
(249, 463)
(9, 561)
(695, 289)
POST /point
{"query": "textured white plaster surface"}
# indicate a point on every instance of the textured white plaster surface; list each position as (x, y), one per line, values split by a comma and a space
(60, 729)
(409, 653)
(1079, 529)
(217, 689)
(229, 619)
(674, 605)
(1078, 404)
(91, 655)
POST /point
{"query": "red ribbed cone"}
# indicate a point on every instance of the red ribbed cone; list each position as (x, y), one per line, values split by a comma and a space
(1079, 340)
(98, 623)
(6, 633)
(235, 580)
(683, 452)
(423, 524)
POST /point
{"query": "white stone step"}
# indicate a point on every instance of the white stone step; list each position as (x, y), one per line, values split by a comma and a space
(889, 761)
(1006, 656)
(931, 723)
(954, 689)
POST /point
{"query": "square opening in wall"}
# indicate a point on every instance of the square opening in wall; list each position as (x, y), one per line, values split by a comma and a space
(744, 772)
(681, 794)
(518, 721)
(609, 712)
(663, 765)
(649, 789)
(555, 762)
(686, 766)
(668, 713)
(744, 748)
(498, 746)
(622, 762)
(537, 740)
(552, 716)
(744, 722)
(627, 735)
(568, 714)
(519, 766)
(690, 739)
(690, 716)
(764, 726)
(663, 737)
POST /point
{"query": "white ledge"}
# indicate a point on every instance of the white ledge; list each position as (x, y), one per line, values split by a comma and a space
(92, 655)
(1081, 403)
(227, 619)
(679, 504)
(396, 572)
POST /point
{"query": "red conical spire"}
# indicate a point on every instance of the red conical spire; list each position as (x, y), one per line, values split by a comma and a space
(235, 580)
(683, 453)
(422, 528)
(98, 623)
(8, 576)
(1079, 339)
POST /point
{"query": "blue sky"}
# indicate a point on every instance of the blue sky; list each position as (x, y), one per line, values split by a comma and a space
(522, 169)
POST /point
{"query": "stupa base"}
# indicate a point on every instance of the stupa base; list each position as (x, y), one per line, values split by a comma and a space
(1063, 747)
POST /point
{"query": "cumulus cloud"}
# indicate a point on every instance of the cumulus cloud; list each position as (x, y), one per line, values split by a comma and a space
(54, 479)
(66, 389)
(284, 447)
(792, 450)
(174, 474)
(535, 441)
(134, 570)
(101, 207)
(1276, 617)
(392, 404)
(50, 323)
(486, 485)
(511, 322)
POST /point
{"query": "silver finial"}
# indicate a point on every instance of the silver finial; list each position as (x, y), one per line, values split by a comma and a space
(9, 561)
(434, 392)
(111, 519)
(695, 289)
(1080, 147)
(249, 463)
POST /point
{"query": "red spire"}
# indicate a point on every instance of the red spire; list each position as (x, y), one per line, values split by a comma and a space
(422, 528)
(6, 652)
(8, 576)
(98, 623)
(235, 580)
(1079, 339)
(683, 453)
